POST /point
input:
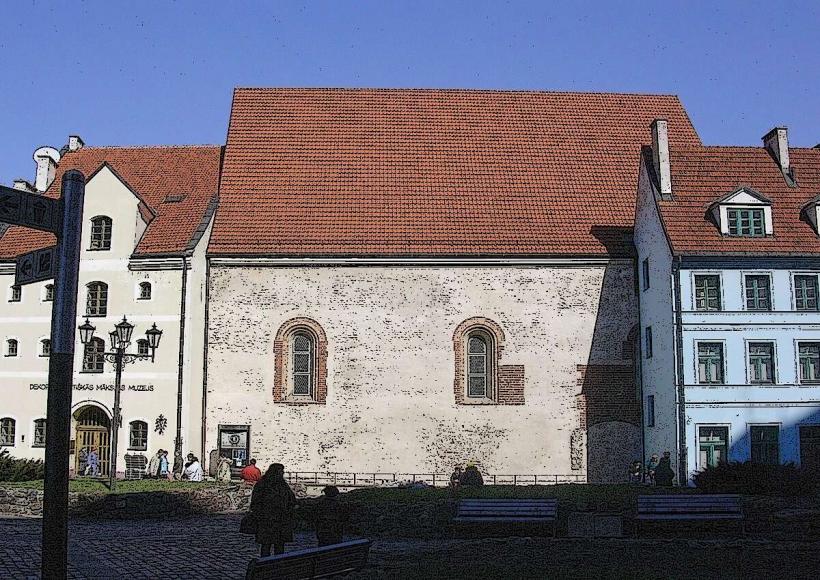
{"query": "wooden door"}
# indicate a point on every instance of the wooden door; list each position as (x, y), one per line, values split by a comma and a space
(93, 431)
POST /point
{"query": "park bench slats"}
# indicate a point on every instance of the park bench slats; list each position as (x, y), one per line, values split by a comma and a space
(507, 511)
(311, 563)
(715, 507)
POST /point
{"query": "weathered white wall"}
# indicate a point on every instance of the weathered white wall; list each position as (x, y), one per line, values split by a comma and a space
(390, 403)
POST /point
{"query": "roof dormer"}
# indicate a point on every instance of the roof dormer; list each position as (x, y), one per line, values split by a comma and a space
(743, 212)
(811, 212)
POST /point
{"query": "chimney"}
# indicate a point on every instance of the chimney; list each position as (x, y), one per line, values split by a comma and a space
(660, 155)
(776, 143)
(24, 185)
(47, 159)
(75, 143)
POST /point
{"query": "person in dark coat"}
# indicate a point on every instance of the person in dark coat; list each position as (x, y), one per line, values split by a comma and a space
(273, 504)
(664, 474)
(331, 515)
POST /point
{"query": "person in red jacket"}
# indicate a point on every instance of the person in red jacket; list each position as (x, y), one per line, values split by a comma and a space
(250, 472)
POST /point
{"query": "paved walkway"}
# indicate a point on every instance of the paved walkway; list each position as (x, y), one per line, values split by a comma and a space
(210, 547)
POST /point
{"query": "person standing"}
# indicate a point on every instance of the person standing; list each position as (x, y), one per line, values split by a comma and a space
(331, 516)
(223, 470)
(664, 474)
(93, 462)
(153, 465)
(455, 478)
(250, 473)
(163, 465)
(273, 504)
(193, 469)
(651, 467)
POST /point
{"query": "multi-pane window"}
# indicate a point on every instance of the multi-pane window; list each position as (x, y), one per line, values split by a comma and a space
(138, 436)
(645, 273)
(477, 365)
(7, 427)
(648, 341)
(650, 410)
(48, 294)
(142, 347)
(765, 444)
(805, 292)
(758, 292)
(39, 433)
(101, 233)
(144, 291)
(712, 445)
(710, 362)
(93, 357)
(809, 353)
(97, 299)
(11, 347)
(761, 362)
(746, 222)
(302, 353)
(707, 292)
(16, 293)
(45, 347)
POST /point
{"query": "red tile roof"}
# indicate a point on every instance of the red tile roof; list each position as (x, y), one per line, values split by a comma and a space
(311, 172)
(153, 173)
(702, 175)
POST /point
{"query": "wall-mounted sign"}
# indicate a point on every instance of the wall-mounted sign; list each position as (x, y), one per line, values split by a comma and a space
(92, 387)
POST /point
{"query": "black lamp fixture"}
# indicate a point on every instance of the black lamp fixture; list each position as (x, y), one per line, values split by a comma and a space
(124, 330)
(86, 332)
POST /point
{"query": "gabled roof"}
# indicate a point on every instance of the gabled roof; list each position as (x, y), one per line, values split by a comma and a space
(384, 172)
(701, 174)
(727, 199)
(151, 173)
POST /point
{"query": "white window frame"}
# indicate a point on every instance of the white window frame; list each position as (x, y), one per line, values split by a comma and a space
(16, 428)
(288, 366)
(793, 288)
(747, 358)
(44, 292)
(696, 364)
(137, 290)
(34, 431)
(798, 379)
(743, 274)
(768, 225)
(7, 350)
(40, 347)
(147, 433)
(490, 370)
(728, 426)
(719, 274)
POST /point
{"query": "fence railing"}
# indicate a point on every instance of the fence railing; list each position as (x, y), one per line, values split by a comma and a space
(434, 479)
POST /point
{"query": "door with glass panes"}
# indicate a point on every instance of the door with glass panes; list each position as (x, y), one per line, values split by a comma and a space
(712, 445)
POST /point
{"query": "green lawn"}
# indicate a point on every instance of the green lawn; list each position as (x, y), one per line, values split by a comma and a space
(101, 486)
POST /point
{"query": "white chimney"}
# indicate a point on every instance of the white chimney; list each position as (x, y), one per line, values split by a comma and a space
(660, 155)
(47, 159)
(75, 143)
(776, 143)
(24, 185)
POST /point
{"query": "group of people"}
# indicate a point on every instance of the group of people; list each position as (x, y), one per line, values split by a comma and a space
(469, 476)
(273, 512)
(158, 466)
(89, 462)
(658, 471)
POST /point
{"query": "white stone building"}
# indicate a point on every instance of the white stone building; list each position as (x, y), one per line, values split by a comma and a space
(147, 218)
(404, 280)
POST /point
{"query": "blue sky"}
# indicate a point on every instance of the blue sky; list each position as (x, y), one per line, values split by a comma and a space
(162, 72)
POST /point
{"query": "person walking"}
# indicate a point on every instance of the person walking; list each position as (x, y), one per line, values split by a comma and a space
(331, 516)
(664, 474)
(250, 473)
(153, 465)
(93, 461)
(272, 505)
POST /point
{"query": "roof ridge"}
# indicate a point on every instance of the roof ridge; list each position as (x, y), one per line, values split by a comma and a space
(453, 90)
(97, 147)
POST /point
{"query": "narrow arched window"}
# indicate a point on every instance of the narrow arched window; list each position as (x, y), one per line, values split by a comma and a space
(11, 347)
(7, 428)
(45, 347)
(97, 299)
(142, 347)
(48, 293)
(39, 433)
(302, 373)
(477, 365)
(93, 357)
(138, 436)
(101, 233)
(144, 291)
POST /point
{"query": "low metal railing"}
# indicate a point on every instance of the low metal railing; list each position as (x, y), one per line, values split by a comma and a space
(340, 479)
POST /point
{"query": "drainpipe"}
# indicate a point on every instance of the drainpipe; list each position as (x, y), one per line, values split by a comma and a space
(205, 357)
(683, 470)
(178, 461)
(637, 361)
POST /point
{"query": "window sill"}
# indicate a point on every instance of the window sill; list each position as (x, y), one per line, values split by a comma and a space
(477, 401)
(39, 446)
(87, 315)
(301, 402)
(91, 372)
(137, 449)
(98, 249)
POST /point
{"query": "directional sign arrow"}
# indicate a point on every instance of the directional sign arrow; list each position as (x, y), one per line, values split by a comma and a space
(36, 266)
(31, 210)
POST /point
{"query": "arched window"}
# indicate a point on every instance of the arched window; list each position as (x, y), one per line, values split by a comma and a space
(39, 433)
(48, 293)
(101, 233)
(45, 347)
(7, 426)
(478, 364)
(97, 299)
(142, 347)
(144, 291)
(477, 344)
(138, 436)
(16, 294)
(302, 367)
(11, 347)
(93, 358)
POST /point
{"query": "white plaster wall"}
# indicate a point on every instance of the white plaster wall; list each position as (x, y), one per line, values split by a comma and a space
(390, 404)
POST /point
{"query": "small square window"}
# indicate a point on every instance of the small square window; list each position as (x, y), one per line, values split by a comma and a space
(11, 347)
(746, 222)
(707, 292)
(805, 292)
(758, 292)
(761, 362)
(809, 362)
(16, 293)
(649, 342)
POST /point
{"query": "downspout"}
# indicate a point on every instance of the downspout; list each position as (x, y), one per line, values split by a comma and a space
(683, 470)
(205, 356)
(178, 461)
(637, 361)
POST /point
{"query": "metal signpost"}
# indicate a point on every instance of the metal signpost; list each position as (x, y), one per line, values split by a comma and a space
(63, 218)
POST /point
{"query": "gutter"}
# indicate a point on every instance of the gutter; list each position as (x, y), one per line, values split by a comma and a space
(178, 461)
(681, 395)
(205, 356)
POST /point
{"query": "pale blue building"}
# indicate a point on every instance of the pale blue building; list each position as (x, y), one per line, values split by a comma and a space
(729, 258)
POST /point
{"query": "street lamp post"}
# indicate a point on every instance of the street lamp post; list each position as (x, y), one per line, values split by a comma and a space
(120, 339)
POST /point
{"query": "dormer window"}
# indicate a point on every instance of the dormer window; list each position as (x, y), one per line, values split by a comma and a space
(743, 213)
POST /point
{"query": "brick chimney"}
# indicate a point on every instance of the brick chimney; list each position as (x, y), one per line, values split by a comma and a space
(660, 155)
(24, 185)
(47, 159)
(75, 143)
(776, 142)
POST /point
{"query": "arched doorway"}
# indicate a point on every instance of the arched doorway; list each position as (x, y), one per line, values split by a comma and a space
(93, 431)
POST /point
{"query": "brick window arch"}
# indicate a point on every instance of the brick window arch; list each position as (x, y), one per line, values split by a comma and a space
(300, 362)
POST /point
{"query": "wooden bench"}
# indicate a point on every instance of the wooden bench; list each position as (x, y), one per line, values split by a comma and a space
(689, 507)
(528, 514)
(311, 563)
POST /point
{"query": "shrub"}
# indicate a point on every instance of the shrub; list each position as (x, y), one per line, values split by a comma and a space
(755, 479)
(12, 469)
